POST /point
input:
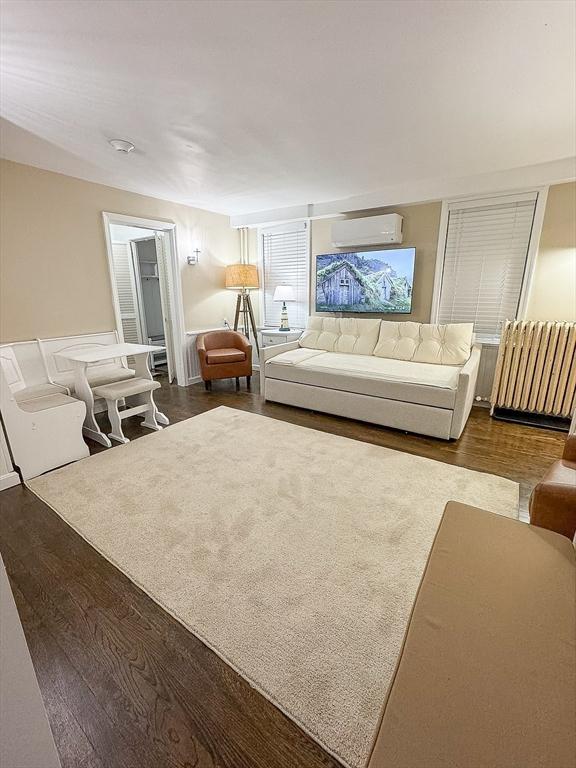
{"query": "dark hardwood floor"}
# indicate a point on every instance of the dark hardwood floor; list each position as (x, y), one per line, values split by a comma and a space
(125, 686)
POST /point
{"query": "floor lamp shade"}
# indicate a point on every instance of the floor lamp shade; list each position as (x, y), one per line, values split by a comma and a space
(242, 276)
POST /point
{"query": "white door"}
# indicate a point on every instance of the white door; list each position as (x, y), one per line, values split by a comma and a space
(141, 318)
(167, 301)
(126, 290)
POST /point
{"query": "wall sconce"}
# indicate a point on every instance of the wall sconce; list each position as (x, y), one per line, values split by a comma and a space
(194, 259)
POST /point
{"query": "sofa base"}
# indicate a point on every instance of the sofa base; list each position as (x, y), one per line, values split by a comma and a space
(410, 417)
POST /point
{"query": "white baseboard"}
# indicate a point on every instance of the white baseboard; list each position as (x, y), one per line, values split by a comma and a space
(7, 481)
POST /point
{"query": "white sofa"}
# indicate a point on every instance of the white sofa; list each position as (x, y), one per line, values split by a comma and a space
(411, 376)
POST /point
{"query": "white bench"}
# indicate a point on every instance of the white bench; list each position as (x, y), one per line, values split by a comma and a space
(139, 390)
(61, 371)
(43, 423)
(25, 373)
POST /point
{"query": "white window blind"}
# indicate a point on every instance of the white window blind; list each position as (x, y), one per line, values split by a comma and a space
(484, 262)
(285, 259)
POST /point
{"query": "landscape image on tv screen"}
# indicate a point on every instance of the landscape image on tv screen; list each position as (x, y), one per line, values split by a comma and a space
(365, 281)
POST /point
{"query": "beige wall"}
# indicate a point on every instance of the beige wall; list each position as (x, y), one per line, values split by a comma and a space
(54, 274)
(553, 293)
(54, 277)
(421, 226)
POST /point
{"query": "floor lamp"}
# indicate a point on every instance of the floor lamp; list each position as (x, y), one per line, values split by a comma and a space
(244, 278)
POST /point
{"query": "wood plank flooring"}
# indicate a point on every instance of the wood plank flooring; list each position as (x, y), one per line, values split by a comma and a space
(125, 686)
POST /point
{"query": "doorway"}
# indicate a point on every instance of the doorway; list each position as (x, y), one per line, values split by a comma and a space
(151, 315)
(145, 283)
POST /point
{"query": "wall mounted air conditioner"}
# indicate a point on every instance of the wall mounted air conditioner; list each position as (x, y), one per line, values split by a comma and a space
(370, 230)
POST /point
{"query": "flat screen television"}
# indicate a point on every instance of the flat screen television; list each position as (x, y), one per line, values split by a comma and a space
(365, 281)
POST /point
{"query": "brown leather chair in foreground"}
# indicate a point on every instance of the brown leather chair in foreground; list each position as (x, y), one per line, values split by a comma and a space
(553, 500)
(224, 355)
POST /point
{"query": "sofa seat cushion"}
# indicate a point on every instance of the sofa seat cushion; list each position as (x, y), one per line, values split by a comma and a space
(39, 390)
(421, 383)
(227, 355)
(120, 389)
(341, 334)
(97, 375)
(47, 401)
(425, 342)
(296, 356)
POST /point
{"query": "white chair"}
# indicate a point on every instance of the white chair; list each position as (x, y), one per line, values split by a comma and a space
(43, 424)
(140, 391)
(61, 371)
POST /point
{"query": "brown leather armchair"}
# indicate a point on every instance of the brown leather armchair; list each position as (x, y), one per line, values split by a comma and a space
(553, 500)
(224, 355)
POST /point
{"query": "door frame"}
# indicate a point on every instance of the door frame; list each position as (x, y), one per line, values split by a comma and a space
(471, 201)
(173, 275)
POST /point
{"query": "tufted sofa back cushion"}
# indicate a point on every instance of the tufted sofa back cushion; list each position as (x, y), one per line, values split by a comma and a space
(341, 334)
(425, 343)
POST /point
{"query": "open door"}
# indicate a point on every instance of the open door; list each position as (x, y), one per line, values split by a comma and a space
(123, 276)
(167, 301)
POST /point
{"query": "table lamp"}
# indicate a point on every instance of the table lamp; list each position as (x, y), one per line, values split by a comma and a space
(243, 278)
(284, 293)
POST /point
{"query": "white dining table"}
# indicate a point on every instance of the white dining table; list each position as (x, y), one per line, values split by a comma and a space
(81, 360)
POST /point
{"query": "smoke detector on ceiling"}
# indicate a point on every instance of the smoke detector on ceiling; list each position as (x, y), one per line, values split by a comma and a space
(122, 146)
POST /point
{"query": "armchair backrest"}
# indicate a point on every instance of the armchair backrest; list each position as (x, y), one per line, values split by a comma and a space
(222, 339)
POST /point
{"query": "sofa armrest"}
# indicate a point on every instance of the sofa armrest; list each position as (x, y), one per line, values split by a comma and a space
(267, 353)
(465, 392)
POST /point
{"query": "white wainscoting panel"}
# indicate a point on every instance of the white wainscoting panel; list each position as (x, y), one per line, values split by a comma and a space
(487, 370)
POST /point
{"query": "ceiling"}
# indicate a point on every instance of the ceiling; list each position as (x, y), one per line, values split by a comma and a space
(241, 106)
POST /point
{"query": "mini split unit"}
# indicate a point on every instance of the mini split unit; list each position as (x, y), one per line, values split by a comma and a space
(370, 230)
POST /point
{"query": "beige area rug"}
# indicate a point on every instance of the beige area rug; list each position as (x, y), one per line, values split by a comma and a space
(294, 554)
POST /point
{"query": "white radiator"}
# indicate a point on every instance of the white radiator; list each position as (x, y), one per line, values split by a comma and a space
(536, 368)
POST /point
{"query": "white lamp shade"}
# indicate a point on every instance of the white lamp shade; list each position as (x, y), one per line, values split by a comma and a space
(284, 293)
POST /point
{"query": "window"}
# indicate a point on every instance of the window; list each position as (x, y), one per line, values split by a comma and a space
(285, 259)
(485, 262)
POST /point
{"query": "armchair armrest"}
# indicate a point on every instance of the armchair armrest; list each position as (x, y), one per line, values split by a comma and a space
(553, 501)
(201, 348)
(569, 453)
(241, 342)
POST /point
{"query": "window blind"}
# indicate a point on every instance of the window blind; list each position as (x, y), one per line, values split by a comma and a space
(484, 263)
(285, 258)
